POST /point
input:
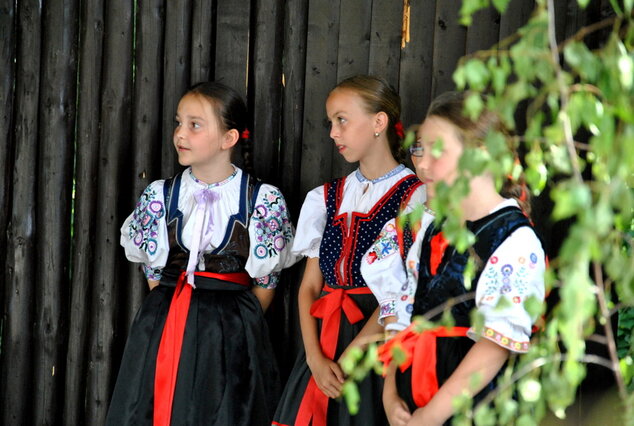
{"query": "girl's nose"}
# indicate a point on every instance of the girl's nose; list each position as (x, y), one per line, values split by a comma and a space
(334, 132)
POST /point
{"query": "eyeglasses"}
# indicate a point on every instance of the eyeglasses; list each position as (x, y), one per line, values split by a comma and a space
(416, 150)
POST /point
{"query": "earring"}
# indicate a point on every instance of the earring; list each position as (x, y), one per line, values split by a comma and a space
(376, 134)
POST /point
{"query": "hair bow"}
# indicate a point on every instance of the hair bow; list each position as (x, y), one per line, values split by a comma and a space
(398, 127)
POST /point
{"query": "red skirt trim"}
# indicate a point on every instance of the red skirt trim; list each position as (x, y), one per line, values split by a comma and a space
(420, 355)
(169, 350)
(328, 308)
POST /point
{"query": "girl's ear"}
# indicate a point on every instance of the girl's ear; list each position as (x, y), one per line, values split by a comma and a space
(230, 138)
(381, 121)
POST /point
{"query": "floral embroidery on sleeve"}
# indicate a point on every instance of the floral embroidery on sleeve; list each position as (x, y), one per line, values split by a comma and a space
(273, 230)
(152, 273)
(385, 245)
(143, 229)
(269, 281)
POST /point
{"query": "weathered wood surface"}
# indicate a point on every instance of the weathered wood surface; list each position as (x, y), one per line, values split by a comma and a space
(88, 92)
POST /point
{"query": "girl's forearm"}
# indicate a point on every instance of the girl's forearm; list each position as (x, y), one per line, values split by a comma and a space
(309, 291)
(264, 296)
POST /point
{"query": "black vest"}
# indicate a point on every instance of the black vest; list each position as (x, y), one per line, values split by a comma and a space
(448, 282)
(232, 254)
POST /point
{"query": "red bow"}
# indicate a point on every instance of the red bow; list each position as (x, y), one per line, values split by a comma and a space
(398, 127)
(245, 134)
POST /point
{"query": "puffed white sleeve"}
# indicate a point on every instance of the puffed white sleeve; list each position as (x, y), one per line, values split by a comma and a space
(271, 236)
(311, 224)
(514, 272)
(144, 233)
(404, 301)
(416, 200)
(383, 270)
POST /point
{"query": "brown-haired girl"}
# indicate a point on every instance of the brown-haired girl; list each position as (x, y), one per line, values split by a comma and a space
(510, 265)
(338, 222)
(212, 241)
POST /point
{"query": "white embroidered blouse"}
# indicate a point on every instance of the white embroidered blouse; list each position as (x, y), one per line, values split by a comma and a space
(514, 272)
(144, 234)
(359, 195)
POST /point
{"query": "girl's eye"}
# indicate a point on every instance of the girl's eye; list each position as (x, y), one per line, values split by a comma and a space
(416, 149)
(195, 125)
(177, 123)
(341, 120)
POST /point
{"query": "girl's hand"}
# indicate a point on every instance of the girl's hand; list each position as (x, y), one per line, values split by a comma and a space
(327, 374)
(395, 408)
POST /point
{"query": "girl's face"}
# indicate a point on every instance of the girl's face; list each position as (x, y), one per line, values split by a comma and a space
(441, 168)
(351, 126)
(198, 137)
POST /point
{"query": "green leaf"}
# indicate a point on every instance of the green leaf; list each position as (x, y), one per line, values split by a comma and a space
(437, 148)
(501, 5)
(570, 199)
(473, 106)
(530, 390)
(626, 69)
(476, 74)
(350, 360)
(351, 395)
(583, 3)
(484, 416)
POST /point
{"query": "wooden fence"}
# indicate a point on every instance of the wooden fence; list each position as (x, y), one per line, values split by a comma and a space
(88, 91)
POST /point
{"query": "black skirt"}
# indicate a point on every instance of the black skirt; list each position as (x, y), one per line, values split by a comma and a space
(370, 389)
(226, 374)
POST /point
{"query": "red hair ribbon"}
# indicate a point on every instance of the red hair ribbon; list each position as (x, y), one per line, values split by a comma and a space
(245, 134)
(399, 129)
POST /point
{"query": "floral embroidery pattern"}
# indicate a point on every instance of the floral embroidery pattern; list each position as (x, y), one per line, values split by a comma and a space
(507, 342)
(152, 273)
(385, 245)
(388, 309)
(143, 229)
(273, 228)
(268, 281)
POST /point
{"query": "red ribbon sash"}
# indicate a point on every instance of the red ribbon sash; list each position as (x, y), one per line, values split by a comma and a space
(328, 308)
(420, 354)
(169, 350)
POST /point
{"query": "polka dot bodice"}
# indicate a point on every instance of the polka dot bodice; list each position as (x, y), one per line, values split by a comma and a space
(345, 241)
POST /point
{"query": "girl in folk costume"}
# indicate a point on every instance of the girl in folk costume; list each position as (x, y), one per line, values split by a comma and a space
(338, 222)
(510, 264)
(212, 241)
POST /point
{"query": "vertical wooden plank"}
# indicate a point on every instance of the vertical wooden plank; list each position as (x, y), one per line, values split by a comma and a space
(91, 27)
(177, 59)
(294, 72)
(7, 56)
(232, 44)
(449, 45)
(576, 17)
(415, 80)
(353, 54)
(321, 77)
(517, 14)
(203, 39)
(15, 379)
(484, 31)
(267, 88)
(56, 133)
(146, 131)
(385, 40)
(115, 133)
